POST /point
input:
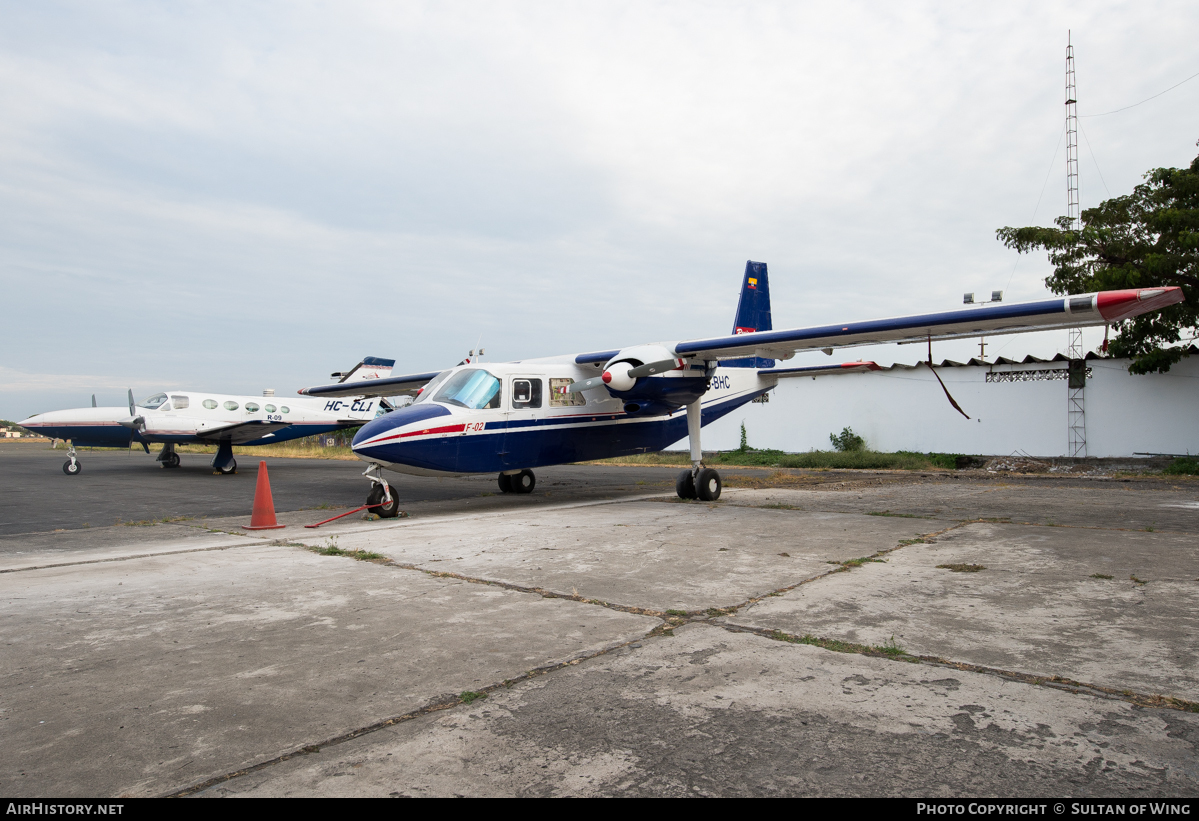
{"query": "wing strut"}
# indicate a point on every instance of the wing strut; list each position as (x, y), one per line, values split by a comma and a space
(952, 401)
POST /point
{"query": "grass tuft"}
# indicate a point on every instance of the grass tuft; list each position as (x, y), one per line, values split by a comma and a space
(962, 568)
(1101, 576)
(468, 696)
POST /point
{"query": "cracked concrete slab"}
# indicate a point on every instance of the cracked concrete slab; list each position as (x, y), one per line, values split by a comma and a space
(1132, 505)
(140, 676)
(708, 712)
(1036, 608)
(646, 554)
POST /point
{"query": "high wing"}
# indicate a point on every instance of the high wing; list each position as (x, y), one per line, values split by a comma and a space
(391, 386)
(1069, 312)
(823, 370)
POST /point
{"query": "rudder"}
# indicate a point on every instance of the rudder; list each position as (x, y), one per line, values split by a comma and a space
(753, 312)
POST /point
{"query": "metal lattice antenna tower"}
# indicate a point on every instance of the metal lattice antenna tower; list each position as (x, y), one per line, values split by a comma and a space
(1076, 419)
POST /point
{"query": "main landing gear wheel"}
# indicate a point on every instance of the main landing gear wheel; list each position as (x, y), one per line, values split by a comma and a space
(505, 483)
(172, 461)
(523, 482)
(71, 467)
(684, 485)
(708, 485)
(228, 469)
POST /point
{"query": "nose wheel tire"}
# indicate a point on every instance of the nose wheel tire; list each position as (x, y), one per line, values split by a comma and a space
(384, 511)
(684, 485)
(523, 482)
(708, 485)
(172, 461)
(71, 468)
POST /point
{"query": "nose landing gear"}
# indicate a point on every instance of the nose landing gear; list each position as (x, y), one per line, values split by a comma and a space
(381, 495)
(71, 467)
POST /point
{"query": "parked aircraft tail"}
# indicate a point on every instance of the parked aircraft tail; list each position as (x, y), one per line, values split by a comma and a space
(371, 367)
(753, 312)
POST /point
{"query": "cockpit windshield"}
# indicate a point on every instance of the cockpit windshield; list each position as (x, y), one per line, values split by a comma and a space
(425, 394)
(153, 402)
(474, 389)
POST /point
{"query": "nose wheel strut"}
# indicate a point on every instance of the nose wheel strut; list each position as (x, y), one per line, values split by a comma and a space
(380, 500)
(71, 467)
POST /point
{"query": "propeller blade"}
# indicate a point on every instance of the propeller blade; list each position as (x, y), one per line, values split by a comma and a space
(93, 400)
(135, 423)
(132, 412)
(651, 368)
(586, 385)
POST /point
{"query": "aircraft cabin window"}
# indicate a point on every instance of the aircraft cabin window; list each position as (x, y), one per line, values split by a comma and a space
(559, 398)
(230, 405)
(251, 407)
(473, 389)
(284, 409)
(526, 393)
(179, 402)
(210, 404)
(270, 408)
(153, 402)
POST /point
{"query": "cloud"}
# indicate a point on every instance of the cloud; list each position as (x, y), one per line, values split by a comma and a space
(236, 195)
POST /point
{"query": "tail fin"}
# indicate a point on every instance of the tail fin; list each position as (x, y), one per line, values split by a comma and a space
(753, 312)
(371, 367)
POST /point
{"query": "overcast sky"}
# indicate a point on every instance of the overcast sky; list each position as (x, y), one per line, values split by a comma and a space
(228, 197)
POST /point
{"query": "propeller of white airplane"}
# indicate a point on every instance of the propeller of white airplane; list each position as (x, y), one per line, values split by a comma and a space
(135, 421)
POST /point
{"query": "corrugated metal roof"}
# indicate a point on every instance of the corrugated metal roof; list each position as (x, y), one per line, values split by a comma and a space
(1190, 350)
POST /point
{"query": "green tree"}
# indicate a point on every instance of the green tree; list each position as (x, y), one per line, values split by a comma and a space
(1144, 239)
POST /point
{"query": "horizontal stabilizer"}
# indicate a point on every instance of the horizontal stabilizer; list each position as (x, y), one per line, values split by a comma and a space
(390, 386)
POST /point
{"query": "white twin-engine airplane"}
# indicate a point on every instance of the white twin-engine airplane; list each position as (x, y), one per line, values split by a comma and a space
(511, 417)
(194, 417)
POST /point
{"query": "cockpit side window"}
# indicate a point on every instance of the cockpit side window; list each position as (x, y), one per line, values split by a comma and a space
(154, 402)
(526, 394)
(475, 389)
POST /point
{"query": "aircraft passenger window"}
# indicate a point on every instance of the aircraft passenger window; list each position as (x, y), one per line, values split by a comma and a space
(559, 398)
(153, 402)
(230, 405)
(285, 409)
(474, 389)
(210, 404)
(270, 408)
(251, 407)
(526, 393)
(179, 402)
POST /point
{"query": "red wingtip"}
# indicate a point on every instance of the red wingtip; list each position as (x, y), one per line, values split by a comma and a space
(1117, 305)
(870, 366)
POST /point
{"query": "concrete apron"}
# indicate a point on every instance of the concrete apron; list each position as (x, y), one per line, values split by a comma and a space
(159, 673)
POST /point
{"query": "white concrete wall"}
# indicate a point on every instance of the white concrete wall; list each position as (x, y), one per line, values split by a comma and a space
(906, 410)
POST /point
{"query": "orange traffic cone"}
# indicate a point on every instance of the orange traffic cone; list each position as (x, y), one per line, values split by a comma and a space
(263, 517)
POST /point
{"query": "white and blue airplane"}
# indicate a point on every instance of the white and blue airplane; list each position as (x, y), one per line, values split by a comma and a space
(184, 417)
(511, 417)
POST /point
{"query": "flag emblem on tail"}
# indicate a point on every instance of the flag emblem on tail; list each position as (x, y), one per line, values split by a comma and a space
(752, 283)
